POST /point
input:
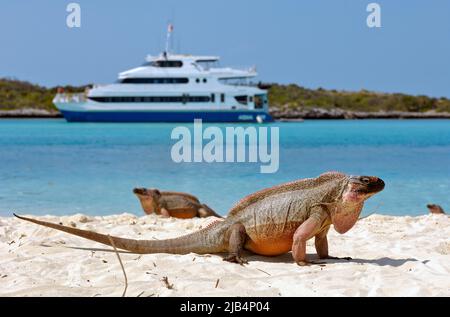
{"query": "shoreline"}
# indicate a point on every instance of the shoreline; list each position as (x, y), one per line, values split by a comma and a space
(29, 114)
(278, 115)
(392, 256)
(338, 114)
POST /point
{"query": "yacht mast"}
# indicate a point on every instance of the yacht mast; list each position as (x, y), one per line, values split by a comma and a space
(169, 33)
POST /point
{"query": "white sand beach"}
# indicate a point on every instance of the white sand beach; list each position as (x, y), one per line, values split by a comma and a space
(392, 256)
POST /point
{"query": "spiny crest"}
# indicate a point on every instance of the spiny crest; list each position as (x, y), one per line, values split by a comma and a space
(294, 185)
(212, 224)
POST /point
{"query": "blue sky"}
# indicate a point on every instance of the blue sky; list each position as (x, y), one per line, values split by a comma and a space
(316, 43)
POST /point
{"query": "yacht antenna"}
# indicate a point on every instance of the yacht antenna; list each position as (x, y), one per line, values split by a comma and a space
(169, 33)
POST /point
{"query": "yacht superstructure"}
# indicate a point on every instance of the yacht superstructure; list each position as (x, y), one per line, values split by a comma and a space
(171, 88)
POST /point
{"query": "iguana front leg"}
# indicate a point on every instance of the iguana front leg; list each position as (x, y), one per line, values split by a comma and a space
(162, 208)
(321, 244)
(301, 235)
(236, 242)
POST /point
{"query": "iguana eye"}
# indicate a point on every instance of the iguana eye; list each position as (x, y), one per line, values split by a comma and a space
(365, 180)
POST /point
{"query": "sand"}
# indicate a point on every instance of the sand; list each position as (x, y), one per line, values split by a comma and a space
(392, 256)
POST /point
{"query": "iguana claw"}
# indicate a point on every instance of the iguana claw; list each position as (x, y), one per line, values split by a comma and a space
(235, 259)
(303, 263)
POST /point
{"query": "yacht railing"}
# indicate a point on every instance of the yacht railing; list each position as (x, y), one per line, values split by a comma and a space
(244, 69)
(73, 97)
(238, 82)
(70, 97)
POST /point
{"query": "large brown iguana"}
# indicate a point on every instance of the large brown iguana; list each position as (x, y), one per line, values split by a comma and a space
(172, 204)
(270, 222)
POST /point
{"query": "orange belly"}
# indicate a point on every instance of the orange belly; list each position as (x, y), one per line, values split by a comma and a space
(183, 213)
(270, 247)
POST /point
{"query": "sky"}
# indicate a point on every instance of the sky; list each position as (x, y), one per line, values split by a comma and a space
(315, 43)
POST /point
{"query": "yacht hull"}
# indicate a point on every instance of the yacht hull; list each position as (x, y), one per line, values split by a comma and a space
(166, 116)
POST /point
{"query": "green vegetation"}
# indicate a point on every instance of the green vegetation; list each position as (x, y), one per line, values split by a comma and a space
(295, 97)
(15, 94)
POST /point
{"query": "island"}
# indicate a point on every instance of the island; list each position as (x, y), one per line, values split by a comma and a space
(21, 99)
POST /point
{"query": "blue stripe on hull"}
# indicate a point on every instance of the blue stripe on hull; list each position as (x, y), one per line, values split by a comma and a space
(166, 116)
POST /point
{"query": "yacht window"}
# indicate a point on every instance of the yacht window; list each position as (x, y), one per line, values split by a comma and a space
(222, 97)
(207, 64)
(159, 99)
(167, 80)
(164, 63)
(213, 98)
(239, 81)
(205, 80)
(241, 99)
(197, 80)
(199, 99)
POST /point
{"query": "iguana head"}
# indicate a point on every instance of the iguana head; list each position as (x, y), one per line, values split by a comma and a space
(149, 199)
(348, 208)
(359, 188)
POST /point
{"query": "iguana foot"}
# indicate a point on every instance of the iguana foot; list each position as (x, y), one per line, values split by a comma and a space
(303, 263)
(236, 243)
(165, 213)
(233, 258)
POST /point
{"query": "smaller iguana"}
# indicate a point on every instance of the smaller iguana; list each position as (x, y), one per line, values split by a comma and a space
(270, 222)
(435, 209)
(172, 204)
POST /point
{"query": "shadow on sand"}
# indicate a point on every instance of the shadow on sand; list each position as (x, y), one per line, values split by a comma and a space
(285, 258)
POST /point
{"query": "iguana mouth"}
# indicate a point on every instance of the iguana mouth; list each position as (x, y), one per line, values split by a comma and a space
(140, 191)
(376, 185)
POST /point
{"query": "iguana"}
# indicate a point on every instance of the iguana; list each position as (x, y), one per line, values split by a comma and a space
(269, 222)
(172, 204)
(435, 209)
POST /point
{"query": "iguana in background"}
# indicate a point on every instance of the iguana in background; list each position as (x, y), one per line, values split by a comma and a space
(435, 209)
(270, 222)
(172, 204)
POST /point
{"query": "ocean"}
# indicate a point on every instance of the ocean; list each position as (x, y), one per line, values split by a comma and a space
(54, 167)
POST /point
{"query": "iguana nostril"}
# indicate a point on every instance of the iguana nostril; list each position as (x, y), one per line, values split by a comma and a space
(378, 184)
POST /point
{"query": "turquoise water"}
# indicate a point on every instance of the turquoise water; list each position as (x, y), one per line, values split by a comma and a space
(53, 167)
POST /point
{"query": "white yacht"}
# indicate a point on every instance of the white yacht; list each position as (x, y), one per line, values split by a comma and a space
(171, 88)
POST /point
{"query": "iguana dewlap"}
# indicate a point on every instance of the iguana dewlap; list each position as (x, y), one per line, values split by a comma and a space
(172, 204)
(270, 222)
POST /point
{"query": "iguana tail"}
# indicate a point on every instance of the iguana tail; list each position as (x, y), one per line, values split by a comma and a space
(209, 212)
(207, 240)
